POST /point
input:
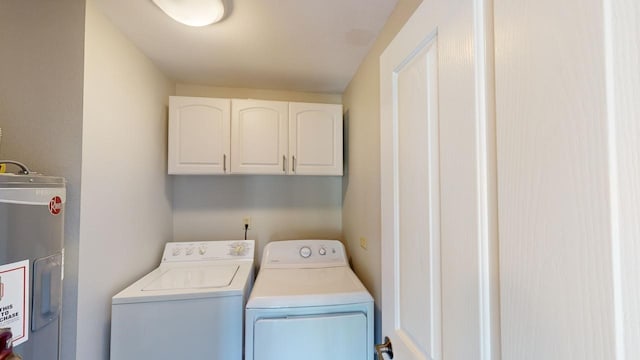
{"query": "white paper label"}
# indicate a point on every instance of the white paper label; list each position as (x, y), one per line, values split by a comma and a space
(14, 300)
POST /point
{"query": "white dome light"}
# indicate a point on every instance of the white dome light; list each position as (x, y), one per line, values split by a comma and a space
(193, 12)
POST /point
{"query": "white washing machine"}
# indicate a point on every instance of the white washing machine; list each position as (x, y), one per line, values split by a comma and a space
(308, 304)
(190, 307)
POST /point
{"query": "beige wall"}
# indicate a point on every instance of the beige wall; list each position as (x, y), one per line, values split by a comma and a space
(126, 194)
(361, 184)
(41, 72)
(281, 207)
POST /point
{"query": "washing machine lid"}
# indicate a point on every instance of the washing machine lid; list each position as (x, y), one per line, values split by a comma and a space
(278, 288)
(193, 277)
(189, 281)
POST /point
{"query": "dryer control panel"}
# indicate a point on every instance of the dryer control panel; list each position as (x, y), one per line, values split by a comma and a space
(208, 250)
(304, 254)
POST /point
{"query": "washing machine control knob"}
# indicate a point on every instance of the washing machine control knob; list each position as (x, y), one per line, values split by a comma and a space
(177, 251)
(322, 251)
(202, 250)
(305, 252)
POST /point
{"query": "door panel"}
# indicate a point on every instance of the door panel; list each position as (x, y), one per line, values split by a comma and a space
(418, 203)
(439, 273)
(259, 137)
(567, 83)
(330, 336)
(199, 135)
(315, 139)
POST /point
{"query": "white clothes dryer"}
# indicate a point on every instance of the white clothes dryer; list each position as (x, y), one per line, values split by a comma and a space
(308, 304)
(190, 307)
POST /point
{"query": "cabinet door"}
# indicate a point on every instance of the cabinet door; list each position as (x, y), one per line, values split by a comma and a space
(315, 139)
(199, 135)
(259, 137)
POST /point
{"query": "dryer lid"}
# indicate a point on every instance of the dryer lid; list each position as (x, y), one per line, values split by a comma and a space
(278, 288)
(194, 277)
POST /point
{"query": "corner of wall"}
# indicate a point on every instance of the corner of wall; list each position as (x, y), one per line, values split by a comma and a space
(361, 183)
(126, 198)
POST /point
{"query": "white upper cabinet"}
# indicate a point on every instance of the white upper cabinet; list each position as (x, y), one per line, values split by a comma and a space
(259, 143)
(199, 135)
(315, 139)
(259, 137)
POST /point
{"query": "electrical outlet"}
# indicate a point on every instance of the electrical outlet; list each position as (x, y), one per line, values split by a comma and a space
(246, 221)
(363, 242)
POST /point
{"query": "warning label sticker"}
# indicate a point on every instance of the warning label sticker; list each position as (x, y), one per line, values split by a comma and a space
(14, 300)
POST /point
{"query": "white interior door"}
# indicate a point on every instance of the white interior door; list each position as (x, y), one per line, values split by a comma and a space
(437, 192)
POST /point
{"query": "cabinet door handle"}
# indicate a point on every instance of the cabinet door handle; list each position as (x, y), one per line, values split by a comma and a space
(293, 164)
(284, 163)
(224, 162)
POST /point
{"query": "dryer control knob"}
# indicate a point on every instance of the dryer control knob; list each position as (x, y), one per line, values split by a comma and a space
(305, 252)
(202, 250)
(322, 251)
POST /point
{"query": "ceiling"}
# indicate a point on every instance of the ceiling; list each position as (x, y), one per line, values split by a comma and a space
(299, 45)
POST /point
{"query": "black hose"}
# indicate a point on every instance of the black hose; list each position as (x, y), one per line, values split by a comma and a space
(24, 170)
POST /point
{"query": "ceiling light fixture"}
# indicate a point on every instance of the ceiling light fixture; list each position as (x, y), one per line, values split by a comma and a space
(193, 12)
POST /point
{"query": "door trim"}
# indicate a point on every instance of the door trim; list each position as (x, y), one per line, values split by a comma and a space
(486, 163)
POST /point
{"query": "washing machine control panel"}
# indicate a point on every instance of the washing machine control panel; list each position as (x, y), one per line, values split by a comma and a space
(304, 253)
(208, 250)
